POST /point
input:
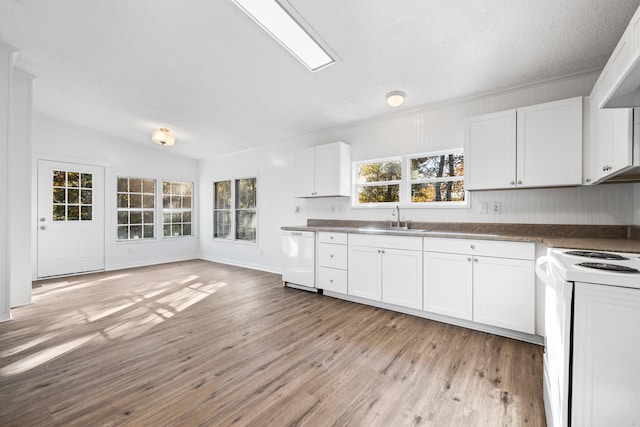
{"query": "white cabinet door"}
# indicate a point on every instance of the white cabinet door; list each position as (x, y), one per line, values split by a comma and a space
(490, 151)
(448, 284)
(304, 173)
(364, 273)
(323, 171)
(549, 144)
(504, 293)
(605, 356)
(402, 278)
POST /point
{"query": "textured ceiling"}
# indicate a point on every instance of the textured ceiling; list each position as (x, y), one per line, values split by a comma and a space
(205, 70)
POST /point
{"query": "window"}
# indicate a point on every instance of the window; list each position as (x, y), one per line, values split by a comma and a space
(437, 178)
(430, 179)
(136, 204)
(235, 209)
(222, 210)
(72, 196)
(176, 208)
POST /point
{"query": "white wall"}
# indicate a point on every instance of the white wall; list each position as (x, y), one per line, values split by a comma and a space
(7, 56)
(422, 130)
(61, 141)
(20, 271)
(637, 204)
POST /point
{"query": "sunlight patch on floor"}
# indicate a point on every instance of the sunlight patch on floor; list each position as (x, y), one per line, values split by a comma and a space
(44, 356)
(20, 348)
(109, 311)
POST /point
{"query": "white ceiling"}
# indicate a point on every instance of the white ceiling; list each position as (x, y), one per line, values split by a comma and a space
(205, 70)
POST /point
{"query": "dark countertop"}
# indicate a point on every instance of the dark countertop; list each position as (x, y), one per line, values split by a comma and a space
(615, 238)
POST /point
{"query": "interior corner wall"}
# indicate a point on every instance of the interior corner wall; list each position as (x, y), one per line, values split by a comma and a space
(58, 140)
(20, 273)
(7, 55)
(636, 199)
(413, 132)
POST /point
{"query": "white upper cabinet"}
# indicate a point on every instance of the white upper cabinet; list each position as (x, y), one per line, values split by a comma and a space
(535, 146)
(490, 140)
(323, 171)
(621, 75)
(611, 138)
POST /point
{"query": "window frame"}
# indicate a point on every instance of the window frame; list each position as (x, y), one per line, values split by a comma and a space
(161, 208)
(234, 211)
(405, 183)
(142, 209)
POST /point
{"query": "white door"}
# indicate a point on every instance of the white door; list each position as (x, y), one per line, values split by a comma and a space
(70, 218)
(364, 275)
(448, 284)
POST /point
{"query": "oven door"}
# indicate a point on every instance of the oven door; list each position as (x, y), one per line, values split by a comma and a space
(557, 351)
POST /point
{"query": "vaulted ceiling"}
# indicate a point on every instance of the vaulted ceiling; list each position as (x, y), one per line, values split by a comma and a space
(205, 70)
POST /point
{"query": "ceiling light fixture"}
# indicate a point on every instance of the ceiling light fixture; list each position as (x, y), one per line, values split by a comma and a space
(163, 137)
(277, 21)
(395, 98)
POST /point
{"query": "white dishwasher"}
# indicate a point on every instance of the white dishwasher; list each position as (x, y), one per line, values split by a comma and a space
(298, 249)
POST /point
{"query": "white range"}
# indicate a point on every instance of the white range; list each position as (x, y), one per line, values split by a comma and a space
(592, 337)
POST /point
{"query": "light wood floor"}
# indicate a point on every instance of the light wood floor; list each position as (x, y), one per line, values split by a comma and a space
(202, 344)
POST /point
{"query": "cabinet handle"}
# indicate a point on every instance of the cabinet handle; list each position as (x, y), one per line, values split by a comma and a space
(331, 256)
(469, 258)
(473, 246)
(475, 260)
(519, 182)
(588, 180)
(331, 237)
(381, 251)
(330, 280)
(513, 183)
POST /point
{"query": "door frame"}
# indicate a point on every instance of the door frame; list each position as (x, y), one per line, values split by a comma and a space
(36, 157)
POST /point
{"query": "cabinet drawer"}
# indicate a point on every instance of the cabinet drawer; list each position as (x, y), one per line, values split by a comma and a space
(332, 279)
(334, 256)
(392, 242)
(336, 238)
(493, 248)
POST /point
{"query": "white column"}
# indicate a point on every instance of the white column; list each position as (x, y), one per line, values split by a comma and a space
(7, 58)
(19, 176)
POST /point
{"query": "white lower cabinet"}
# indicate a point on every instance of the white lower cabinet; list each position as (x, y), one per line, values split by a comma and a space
(332, 262)
(488, 282)
(386, 269)
(448, 285)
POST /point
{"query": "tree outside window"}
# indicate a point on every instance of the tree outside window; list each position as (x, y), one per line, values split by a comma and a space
(235, 209)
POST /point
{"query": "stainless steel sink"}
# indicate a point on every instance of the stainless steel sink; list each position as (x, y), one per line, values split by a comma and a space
(386, 230)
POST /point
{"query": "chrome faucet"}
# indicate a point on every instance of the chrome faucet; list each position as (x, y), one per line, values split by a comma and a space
(397, 212)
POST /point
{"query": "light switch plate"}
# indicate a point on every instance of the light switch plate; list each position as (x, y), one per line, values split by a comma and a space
(483, 207)
(496, 207)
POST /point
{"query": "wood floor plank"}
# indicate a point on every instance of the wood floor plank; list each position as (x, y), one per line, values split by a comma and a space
(197, 343)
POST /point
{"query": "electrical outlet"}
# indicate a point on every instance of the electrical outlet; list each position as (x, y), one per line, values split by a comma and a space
(496, 207)
(483, 207)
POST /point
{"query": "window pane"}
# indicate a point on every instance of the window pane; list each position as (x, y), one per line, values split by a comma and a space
(380, 171)
(135, 185)
(73, 196)
(123, 217)
(86, 197)
(176, 213)
(148, 217)
(73, 213)
(246, 225)
(123, 232)
(59, 179)
(86, 213)
(148, 231)
(176, 230)
(135, 232)
(135, 201)
(86, 180)
(176, 217)
(222, 224)
(123, 200)
(148, 201)
(123, 185)
(246, 193)
(186, 216)
(73, 179)
(59, 213)
(222, 193)
(448, 191)
(149, 186)
(135, 217)
(59, 195)
(437, 166)
(379, 194)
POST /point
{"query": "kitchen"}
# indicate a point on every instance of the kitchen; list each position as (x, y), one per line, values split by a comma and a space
(414, 130)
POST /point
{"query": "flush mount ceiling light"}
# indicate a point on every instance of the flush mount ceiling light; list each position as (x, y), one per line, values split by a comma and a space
(163, 137)
(395, 98)
(277, 21)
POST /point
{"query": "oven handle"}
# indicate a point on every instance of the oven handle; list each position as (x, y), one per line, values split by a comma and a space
(545, 272)
(542, 270)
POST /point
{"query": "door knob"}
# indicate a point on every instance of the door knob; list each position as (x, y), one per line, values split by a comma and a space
(42, 227)
(43, 219)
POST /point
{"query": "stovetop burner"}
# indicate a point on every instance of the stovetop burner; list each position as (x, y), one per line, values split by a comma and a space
(597, 255)
(609, 267)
